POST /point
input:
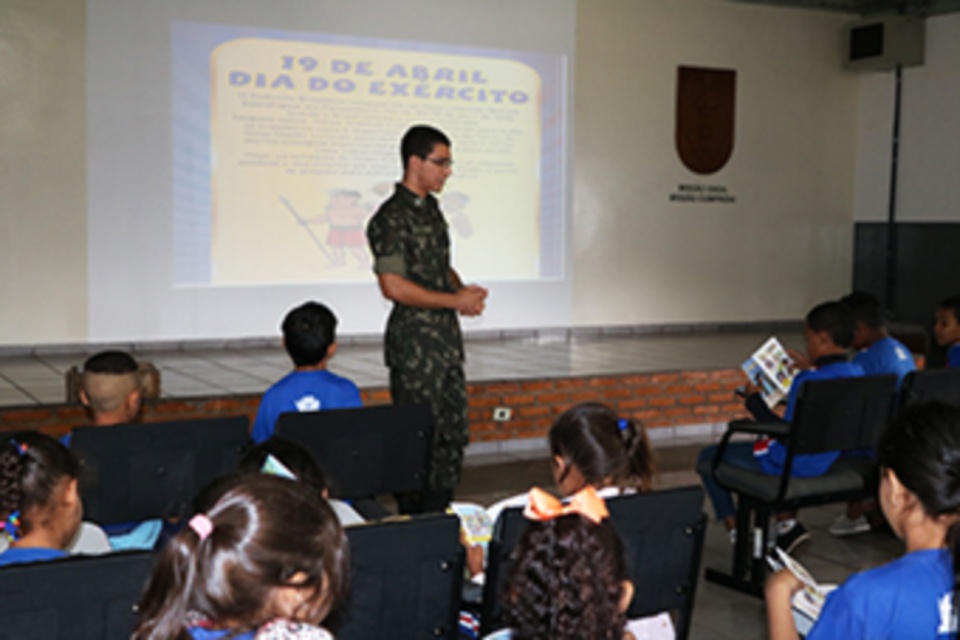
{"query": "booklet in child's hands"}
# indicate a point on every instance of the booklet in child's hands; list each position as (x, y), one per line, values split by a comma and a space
(807, 602)
(475, 522)
(771, 369)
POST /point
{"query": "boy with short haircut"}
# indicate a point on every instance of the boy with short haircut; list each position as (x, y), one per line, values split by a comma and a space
(112, 391)
(111, 388)
(829, 330)
(946, 329)
(878, 352)
(309, 336)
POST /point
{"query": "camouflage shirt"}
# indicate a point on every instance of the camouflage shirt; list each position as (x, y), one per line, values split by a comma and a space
(408, 237)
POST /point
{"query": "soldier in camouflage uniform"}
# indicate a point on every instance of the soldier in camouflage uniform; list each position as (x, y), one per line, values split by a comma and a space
(423, 346)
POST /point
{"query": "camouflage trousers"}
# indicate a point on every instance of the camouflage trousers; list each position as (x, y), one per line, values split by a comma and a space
(445, 390)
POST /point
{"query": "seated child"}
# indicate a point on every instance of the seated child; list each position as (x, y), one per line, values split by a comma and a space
(946, 329)
(569, 580)
(878, 353)
(829, 330)
(287, 459)
(39, 503)
(309, 336)
(591, 446)
(112, 389)
(915, 596)
(266, 560)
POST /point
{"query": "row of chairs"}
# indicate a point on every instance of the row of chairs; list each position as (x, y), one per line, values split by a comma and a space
(153, 470)
(406, 576)
(831, 415)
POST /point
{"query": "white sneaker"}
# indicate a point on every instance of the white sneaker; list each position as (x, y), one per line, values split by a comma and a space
(844, 526)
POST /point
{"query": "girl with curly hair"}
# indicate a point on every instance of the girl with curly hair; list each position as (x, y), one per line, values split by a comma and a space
(569, 579)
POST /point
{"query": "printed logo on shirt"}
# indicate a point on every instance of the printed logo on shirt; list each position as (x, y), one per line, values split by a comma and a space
(761, 447)
(901, 354)
(948, 617)
(307, 403)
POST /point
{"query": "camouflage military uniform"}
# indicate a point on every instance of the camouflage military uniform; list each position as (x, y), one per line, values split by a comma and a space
(423, 347)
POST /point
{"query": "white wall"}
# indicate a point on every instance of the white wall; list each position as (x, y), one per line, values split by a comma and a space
(43, 228)
(929, 130)
(787, 242)
(638, 259)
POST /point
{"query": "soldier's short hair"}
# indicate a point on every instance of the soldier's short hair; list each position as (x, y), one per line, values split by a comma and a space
(419, 140)
(308, 332)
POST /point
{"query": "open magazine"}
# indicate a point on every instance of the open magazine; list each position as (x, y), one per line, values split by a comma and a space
(771, 369)
(808, 602)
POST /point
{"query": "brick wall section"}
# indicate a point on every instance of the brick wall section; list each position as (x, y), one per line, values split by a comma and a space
(658, 399)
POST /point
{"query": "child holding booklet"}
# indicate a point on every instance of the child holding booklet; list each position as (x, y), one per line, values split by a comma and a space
(913, 597)
(591, 446)
(828, 331)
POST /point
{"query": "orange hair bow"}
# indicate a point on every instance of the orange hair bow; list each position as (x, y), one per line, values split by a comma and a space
(587, 503)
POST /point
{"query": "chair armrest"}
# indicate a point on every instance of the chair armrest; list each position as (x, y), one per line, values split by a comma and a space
(773, 429)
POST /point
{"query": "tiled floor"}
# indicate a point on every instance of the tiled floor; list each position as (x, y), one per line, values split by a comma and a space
(39, 378)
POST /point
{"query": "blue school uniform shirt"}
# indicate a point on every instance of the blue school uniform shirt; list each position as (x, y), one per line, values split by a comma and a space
(909, 598)
(886, 356)
(771, 455)
(199, 633)
(20, 555)
(303, 391)
(953, 356)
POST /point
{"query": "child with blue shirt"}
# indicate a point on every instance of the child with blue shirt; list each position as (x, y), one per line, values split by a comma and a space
(946, 329)
(309, 336)
(828, 330)
(39, 502)
(915, 596)
(878, 353)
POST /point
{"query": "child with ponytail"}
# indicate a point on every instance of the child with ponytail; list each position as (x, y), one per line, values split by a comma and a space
(914, 596)
(39, 503)
(267, 560)
(590, 445)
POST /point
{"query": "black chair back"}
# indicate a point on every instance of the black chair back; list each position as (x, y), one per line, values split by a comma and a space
(369, 450)
(842, 414)
(942, 385)
(137, 472)
(662, 534)
(78, 598)
(405, 580)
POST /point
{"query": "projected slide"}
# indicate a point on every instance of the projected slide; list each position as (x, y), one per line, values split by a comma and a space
(284, 145)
